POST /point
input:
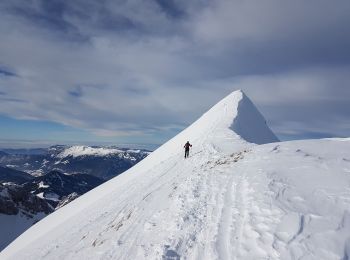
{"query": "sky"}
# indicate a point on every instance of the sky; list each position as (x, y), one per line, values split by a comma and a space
(133, 71)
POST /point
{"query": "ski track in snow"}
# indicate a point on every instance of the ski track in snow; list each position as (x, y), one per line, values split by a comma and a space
(220, 199)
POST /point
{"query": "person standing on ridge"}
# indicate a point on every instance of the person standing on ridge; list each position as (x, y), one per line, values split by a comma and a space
(187, 149)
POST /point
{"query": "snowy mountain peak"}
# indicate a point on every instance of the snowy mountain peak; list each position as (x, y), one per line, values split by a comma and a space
(236, 112)
(80, 150)
(235, 117)
(244, 118)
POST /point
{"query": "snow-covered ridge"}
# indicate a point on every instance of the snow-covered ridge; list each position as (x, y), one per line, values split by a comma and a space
(232, 199)
(210, 133)
(223, 120)
(80, 150)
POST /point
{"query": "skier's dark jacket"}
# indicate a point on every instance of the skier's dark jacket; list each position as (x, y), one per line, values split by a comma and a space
(187, 146)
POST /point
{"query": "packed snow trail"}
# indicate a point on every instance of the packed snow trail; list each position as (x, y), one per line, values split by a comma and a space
(229, 200)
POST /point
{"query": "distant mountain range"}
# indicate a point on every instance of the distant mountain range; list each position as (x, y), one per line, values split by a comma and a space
(101, 162)
(36, 182)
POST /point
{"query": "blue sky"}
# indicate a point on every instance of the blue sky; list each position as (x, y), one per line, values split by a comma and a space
(17, 133)
(135, 71)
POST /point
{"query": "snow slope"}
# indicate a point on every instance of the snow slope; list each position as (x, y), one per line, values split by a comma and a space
(230, 200)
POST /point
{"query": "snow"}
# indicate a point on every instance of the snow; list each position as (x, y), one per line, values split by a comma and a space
(136, 151)
(49, 196)
(44, 162)
(52, 196)
(42, 185)
(78, 150)
(231, 199)
(8, 183)
(339, 139)
(246, 122)
(36, 173)
(40, 195)
(65, 162)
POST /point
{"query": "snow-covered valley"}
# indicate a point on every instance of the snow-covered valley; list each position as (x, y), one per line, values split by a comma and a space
(231, 199)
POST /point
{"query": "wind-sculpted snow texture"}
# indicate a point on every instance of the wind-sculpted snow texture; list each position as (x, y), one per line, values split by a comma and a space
(230, 200)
